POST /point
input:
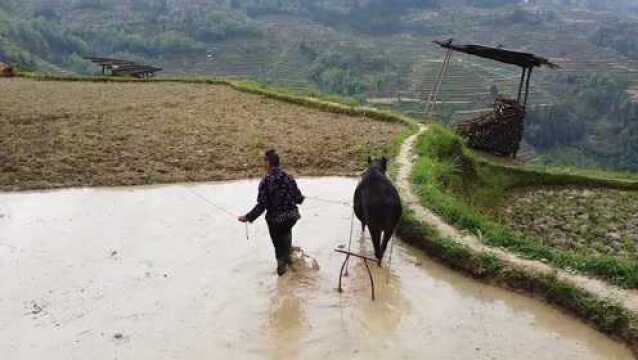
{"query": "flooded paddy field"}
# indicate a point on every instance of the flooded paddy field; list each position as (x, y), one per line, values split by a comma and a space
(161, 273)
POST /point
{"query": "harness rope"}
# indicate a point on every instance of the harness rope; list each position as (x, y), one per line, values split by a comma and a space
(336, 202)
(233, 215)
(227, 212)
(220, 208)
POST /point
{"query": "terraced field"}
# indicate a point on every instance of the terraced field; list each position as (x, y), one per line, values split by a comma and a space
(414, 62)
(588, 221)
(59, 134)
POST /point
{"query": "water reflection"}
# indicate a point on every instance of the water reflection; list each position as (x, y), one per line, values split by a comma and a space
(287, 323)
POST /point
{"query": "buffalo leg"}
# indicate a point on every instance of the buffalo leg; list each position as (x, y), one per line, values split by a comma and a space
(387, 235)
(375, 234)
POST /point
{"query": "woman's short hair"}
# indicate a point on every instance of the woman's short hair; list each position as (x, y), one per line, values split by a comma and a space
(272, 157)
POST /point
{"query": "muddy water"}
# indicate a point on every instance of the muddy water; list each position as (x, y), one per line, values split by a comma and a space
(158, 273)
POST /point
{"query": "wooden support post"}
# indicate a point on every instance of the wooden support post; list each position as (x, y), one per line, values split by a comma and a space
(520, 86)
(446, 66)
(434, 93)
(529, 76)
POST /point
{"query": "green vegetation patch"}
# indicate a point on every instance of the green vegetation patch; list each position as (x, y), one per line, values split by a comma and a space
(588, 221)
(465, 191)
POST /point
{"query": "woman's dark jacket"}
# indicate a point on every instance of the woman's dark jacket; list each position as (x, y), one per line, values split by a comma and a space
(278, 196)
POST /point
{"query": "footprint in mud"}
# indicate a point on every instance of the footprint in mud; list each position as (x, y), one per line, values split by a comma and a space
(120, 338)
(36, 309)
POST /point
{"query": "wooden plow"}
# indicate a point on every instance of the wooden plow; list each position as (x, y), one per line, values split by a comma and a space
(500, 131)
(365, 261)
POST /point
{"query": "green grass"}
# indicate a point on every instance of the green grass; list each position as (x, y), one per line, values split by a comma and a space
(606, 315)
(457, 185)
(305, 93)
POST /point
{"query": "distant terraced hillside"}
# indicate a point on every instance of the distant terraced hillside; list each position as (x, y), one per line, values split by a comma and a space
(379, 52)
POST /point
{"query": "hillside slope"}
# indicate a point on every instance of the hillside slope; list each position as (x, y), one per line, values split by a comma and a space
(581, 115)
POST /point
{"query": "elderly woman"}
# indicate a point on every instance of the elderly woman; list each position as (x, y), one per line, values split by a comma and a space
(279, 197)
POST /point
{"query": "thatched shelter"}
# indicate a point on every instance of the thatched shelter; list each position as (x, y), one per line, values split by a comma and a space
(121, 67)
(500, 131)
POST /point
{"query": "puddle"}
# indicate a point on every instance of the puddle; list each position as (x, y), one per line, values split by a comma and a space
(158, 273)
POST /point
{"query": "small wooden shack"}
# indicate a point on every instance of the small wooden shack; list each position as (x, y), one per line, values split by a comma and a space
(121, 67)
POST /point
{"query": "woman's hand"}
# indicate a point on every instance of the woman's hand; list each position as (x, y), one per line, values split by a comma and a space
(242, 219)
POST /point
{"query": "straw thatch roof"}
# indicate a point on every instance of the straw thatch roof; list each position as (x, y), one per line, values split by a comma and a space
(525, 60)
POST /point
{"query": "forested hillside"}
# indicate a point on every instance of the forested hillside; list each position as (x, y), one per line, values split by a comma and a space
(584, 114)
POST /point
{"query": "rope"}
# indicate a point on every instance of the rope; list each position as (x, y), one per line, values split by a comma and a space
(218, 207)
(234, 216)
(337, 202)
(227, 212)
(434, 93)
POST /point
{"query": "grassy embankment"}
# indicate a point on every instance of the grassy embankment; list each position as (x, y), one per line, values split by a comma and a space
(605, 315)
(81, 131)
(465, 189)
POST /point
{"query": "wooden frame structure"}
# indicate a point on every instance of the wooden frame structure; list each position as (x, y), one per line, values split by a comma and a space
(500, 131)
(120, 67)
(526, 61)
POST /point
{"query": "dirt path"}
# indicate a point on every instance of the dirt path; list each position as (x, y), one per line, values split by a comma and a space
(405, 159)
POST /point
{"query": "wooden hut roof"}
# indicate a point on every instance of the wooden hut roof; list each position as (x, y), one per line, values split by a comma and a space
(120, 66)
(524, 60)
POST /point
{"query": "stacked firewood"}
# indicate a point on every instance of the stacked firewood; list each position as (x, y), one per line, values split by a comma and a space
(6, 70)
(499, 132)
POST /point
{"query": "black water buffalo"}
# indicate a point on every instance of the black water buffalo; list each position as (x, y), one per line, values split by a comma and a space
(377, 205)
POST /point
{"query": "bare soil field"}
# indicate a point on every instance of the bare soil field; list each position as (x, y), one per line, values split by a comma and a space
(61, 134)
